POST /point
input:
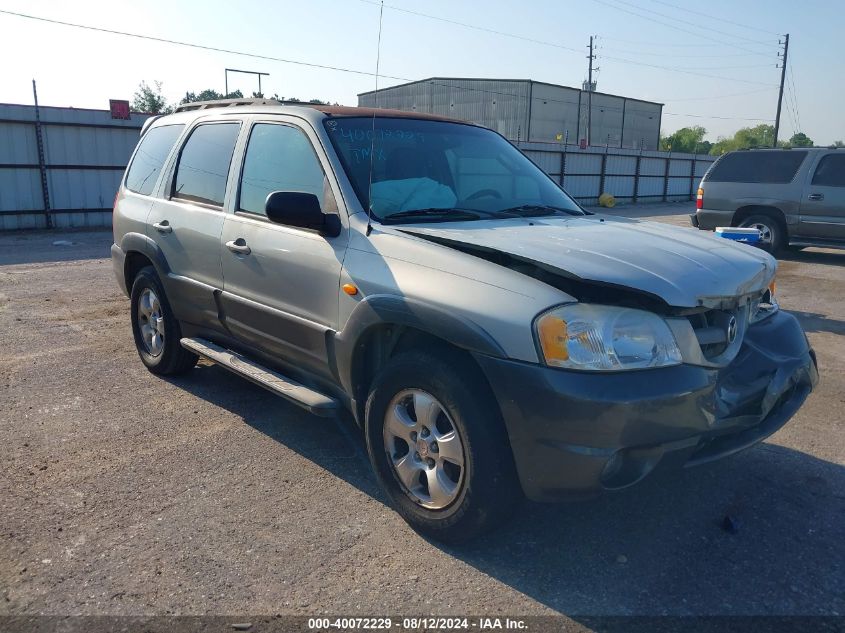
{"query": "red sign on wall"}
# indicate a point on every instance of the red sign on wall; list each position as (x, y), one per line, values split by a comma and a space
(119, 109)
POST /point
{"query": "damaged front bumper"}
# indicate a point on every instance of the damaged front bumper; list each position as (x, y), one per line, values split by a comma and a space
(578, 433)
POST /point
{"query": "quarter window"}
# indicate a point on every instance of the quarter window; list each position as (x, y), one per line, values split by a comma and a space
(757, 166)
(204, 163)
(281, 158)
(149, 158)
(831, 171)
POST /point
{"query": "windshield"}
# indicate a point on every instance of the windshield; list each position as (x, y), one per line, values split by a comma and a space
(426, 170)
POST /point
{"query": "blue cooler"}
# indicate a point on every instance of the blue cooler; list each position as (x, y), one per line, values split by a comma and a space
(747, 236)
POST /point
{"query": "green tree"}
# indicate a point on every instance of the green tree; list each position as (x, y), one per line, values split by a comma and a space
(799, 139)
(687, 139)
(839, 143)
(745, 138)
(150, 100)
(210, 95)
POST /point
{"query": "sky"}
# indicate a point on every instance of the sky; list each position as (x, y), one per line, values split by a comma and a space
(717, 70)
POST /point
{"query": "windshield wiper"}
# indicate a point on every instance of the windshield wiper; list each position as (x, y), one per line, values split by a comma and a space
(433, 214)
(533, 210)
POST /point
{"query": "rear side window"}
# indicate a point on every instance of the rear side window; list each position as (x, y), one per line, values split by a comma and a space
(831, 171)
(204, 163)
(762, 167)
(150, 156)
(281, 158)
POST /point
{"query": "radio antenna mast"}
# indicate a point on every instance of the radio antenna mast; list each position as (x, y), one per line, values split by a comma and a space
(373, 137)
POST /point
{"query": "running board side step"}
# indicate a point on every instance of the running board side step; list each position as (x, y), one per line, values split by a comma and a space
(305, 397)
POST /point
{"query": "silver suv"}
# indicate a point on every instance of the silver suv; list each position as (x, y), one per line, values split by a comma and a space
(794, 197)
(491, 338)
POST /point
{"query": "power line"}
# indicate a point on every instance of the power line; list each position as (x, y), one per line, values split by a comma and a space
(652, 44)
(474, 26)
(676, 56)
(682, 70)
(735, 94)
(204, 47)
(700, 27)
(547, 43)
(676, 27)
(329, 67)
(795, 96)
(713, 17)
(708, 116)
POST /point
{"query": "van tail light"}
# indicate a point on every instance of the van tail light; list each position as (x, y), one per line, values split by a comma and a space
(699, 199)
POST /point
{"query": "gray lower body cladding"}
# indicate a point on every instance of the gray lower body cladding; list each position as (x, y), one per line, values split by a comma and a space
(579, 433)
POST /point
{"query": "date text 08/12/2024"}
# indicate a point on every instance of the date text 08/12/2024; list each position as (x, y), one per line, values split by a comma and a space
(411, 623)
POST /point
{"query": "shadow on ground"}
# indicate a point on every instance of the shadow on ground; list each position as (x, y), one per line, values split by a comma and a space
(40, 247)
(659, 548)
(814, 322)
(814, 256)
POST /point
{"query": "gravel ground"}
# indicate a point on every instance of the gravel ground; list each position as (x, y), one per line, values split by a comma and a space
(122, 493)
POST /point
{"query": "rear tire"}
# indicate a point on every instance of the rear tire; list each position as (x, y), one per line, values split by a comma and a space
(772, 232)
(447, 468)
(157, 332)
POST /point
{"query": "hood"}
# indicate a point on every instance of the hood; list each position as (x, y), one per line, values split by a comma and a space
(686, 268)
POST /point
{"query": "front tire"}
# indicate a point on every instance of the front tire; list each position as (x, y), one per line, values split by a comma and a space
(772, 232)
(156, 331)
(439, 447)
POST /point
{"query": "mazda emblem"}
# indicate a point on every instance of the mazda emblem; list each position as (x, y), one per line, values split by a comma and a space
(732, 329)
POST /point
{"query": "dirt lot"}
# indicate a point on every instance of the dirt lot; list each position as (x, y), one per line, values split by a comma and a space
(122, 493)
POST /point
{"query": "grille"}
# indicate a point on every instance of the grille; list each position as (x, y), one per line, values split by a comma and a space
(712, 329)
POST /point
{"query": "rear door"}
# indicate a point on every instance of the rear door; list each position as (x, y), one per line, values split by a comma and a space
(188, 221)
(281, 283)
(823, 202)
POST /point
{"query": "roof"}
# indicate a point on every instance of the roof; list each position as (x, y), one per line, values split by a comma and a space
(344, 111)
(503, 80)
(230, 105)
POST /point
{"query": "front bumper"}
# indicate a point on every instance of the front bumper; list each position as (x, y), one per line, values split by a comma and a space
(578, 433)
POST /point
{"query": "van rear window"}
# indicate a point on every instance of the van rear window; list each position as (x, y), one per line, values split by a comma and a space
(762, 167)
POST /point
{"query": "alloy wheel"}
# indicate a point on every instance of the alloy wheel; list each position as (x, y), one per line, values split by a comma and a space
(151, 322)
(424, 448)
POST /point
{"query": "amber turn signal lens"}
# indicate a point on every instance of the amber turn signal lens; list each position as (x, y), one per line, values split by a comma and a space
(350, 289)
(553, 337)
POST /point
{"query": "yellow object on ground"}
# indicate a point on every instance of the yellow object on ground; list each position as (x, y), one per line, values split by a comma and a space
(607, 200)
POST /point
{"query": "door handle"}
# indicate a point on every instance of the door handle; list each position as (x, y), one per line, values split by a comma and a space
(815, 196)
(239, 246)
(163, 227)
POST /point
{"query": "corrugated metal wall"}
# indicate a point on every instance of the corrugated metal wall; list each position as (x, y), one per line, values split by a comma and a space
(629, 175)
(525, 110)
(554, 110)
(85, 153)
(499, 105)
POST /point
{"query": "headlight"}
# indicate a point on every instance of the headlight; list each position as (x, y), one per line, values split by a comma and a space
(596, 338)
(765, 306)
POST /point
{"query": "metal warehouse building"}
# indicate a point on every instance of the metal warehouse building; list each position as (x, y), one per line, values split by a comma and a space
(526, 110)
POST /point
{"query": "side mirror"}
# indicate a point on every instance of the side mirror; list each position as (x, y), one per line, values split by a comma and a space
(296, 208)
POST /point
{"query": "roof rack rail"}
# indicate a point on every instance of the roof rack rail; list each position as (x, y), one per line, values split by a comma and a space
(224, 103)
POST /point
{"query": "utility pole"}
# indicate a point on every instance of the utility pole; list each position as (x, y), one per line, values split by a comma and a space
(782, 79)
(590, 57)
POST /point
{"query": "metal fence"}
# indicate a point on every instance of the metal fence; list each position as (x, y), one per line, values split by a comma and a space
(629, 175)
(61, 167)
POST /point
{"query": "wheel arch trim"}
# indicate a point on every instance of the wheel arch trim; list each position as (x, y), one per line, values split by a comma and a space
(381, 310)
